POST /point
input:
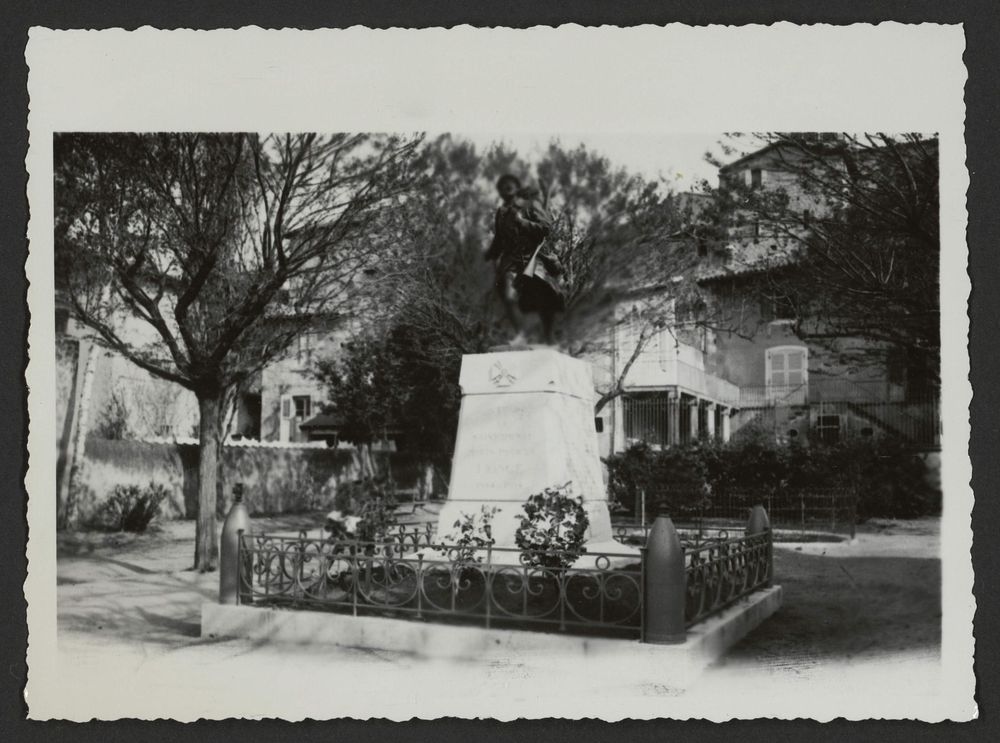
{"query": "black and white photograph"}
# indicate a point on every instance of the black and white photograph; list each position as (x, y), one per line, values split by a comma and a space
(519, 417)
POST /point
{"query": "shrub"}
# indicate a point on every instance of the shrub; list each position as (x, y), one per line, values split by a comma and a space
(471, 534)
(673, 479)
(553, 528)
(131, 508)
(372, 502)
(889, 479)
(114, 420)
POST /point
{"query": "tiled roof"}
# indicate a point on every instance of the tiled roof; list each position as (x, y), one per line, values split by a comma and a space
(752, 256)
(323, 420)
(334, 421)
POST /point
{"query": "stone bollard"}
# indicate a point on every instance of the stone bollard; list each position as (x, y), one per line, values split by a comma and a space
(759, 523)
(666, 585)
(237, 523)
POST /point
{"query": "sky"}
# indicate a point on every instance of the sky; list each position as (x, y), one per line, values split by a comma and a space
(679, 158)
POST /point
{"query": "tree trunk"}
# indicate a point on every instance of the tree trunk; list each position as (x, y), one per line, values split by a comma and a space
(206, 549)
(367, 463)
(78, 440)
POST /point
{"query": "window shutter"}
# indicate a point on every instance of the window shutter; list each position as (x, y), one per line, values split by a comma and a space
(777, 368)
(787, 372)
(286, 407)
(795, 367)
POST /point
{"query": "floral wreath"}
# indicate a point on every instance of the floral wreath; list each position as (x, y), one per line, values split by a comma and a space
(553, 528)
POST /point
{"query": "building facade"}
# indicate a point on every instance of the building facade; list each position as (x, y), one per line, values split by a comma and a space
(739, 362)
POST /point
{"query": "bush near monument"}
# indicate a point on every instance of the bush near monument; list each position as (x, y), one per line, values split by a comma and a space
(553, 528)
(131, 508)
(471, 534)
(888, 477)
(369, 507)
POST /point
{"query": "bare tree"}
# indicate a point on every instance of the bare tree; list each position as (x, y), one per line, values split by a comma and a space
(856, 218)
(199, 257)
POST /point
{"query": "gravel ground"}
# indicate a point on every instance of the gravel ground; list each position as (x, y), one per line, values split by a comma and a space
(877, 597)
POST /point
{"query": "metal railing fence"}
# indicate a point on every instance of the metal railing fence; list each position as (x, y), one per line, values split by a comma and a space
(832, 410)
(408, 576)
(720, 573)
(492, 586)
(795, 514)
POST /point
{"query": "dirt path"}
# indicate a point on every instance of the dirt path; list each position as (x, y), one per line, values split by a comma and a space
(877, 597)
(129, 617)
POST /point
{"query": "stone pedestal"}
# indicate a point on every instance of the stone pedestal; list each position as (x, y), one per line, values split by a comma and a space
(526, 423)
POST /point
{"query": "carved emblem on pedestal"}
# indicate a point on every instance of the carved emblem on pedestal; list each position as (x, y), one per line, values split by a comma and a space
(500, 376)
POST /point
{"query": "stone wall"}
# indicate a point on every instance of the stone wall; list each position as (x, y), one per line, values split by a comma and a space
(277, 479)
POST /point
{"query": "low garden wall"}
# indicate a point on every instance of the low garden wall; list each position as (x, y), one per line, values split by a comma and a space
(276, 479)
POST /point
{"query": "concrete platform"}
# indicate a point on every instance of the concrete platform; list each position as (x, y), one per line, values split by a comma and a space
(676, 665)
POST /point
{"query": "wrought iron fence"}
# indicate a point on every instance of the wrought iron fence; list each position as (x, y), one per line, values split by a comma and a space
(660, 421)
(409, 577)
(718, 573)
(647, 419)
(692, 537)
(795, 515)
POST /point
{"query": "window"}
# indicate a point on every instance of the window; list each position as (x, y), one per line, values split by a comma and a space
(783, 308)
(777, 308)
(303, 406)
(304, 349)
(296, 406)
(647, 418)
(828, 428)
(756, 177)
(599, 424)
(787, 373)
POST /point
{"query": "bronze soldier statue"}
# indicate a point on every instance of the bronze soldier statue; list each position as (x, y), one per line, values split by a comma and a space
(527, 279)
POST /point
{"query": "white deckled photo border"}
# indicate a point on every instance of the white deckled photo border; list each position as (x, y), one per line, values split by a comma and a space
(645, 79)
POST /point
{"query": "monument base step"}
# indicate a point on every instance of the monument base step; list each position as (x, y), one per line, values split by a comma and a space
(675, 665)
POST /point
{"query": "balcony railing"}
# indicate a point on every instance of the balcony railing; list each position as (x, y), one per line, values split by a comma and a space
(833, 409)
(654, 371)
(820, 390)
(828, 411)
